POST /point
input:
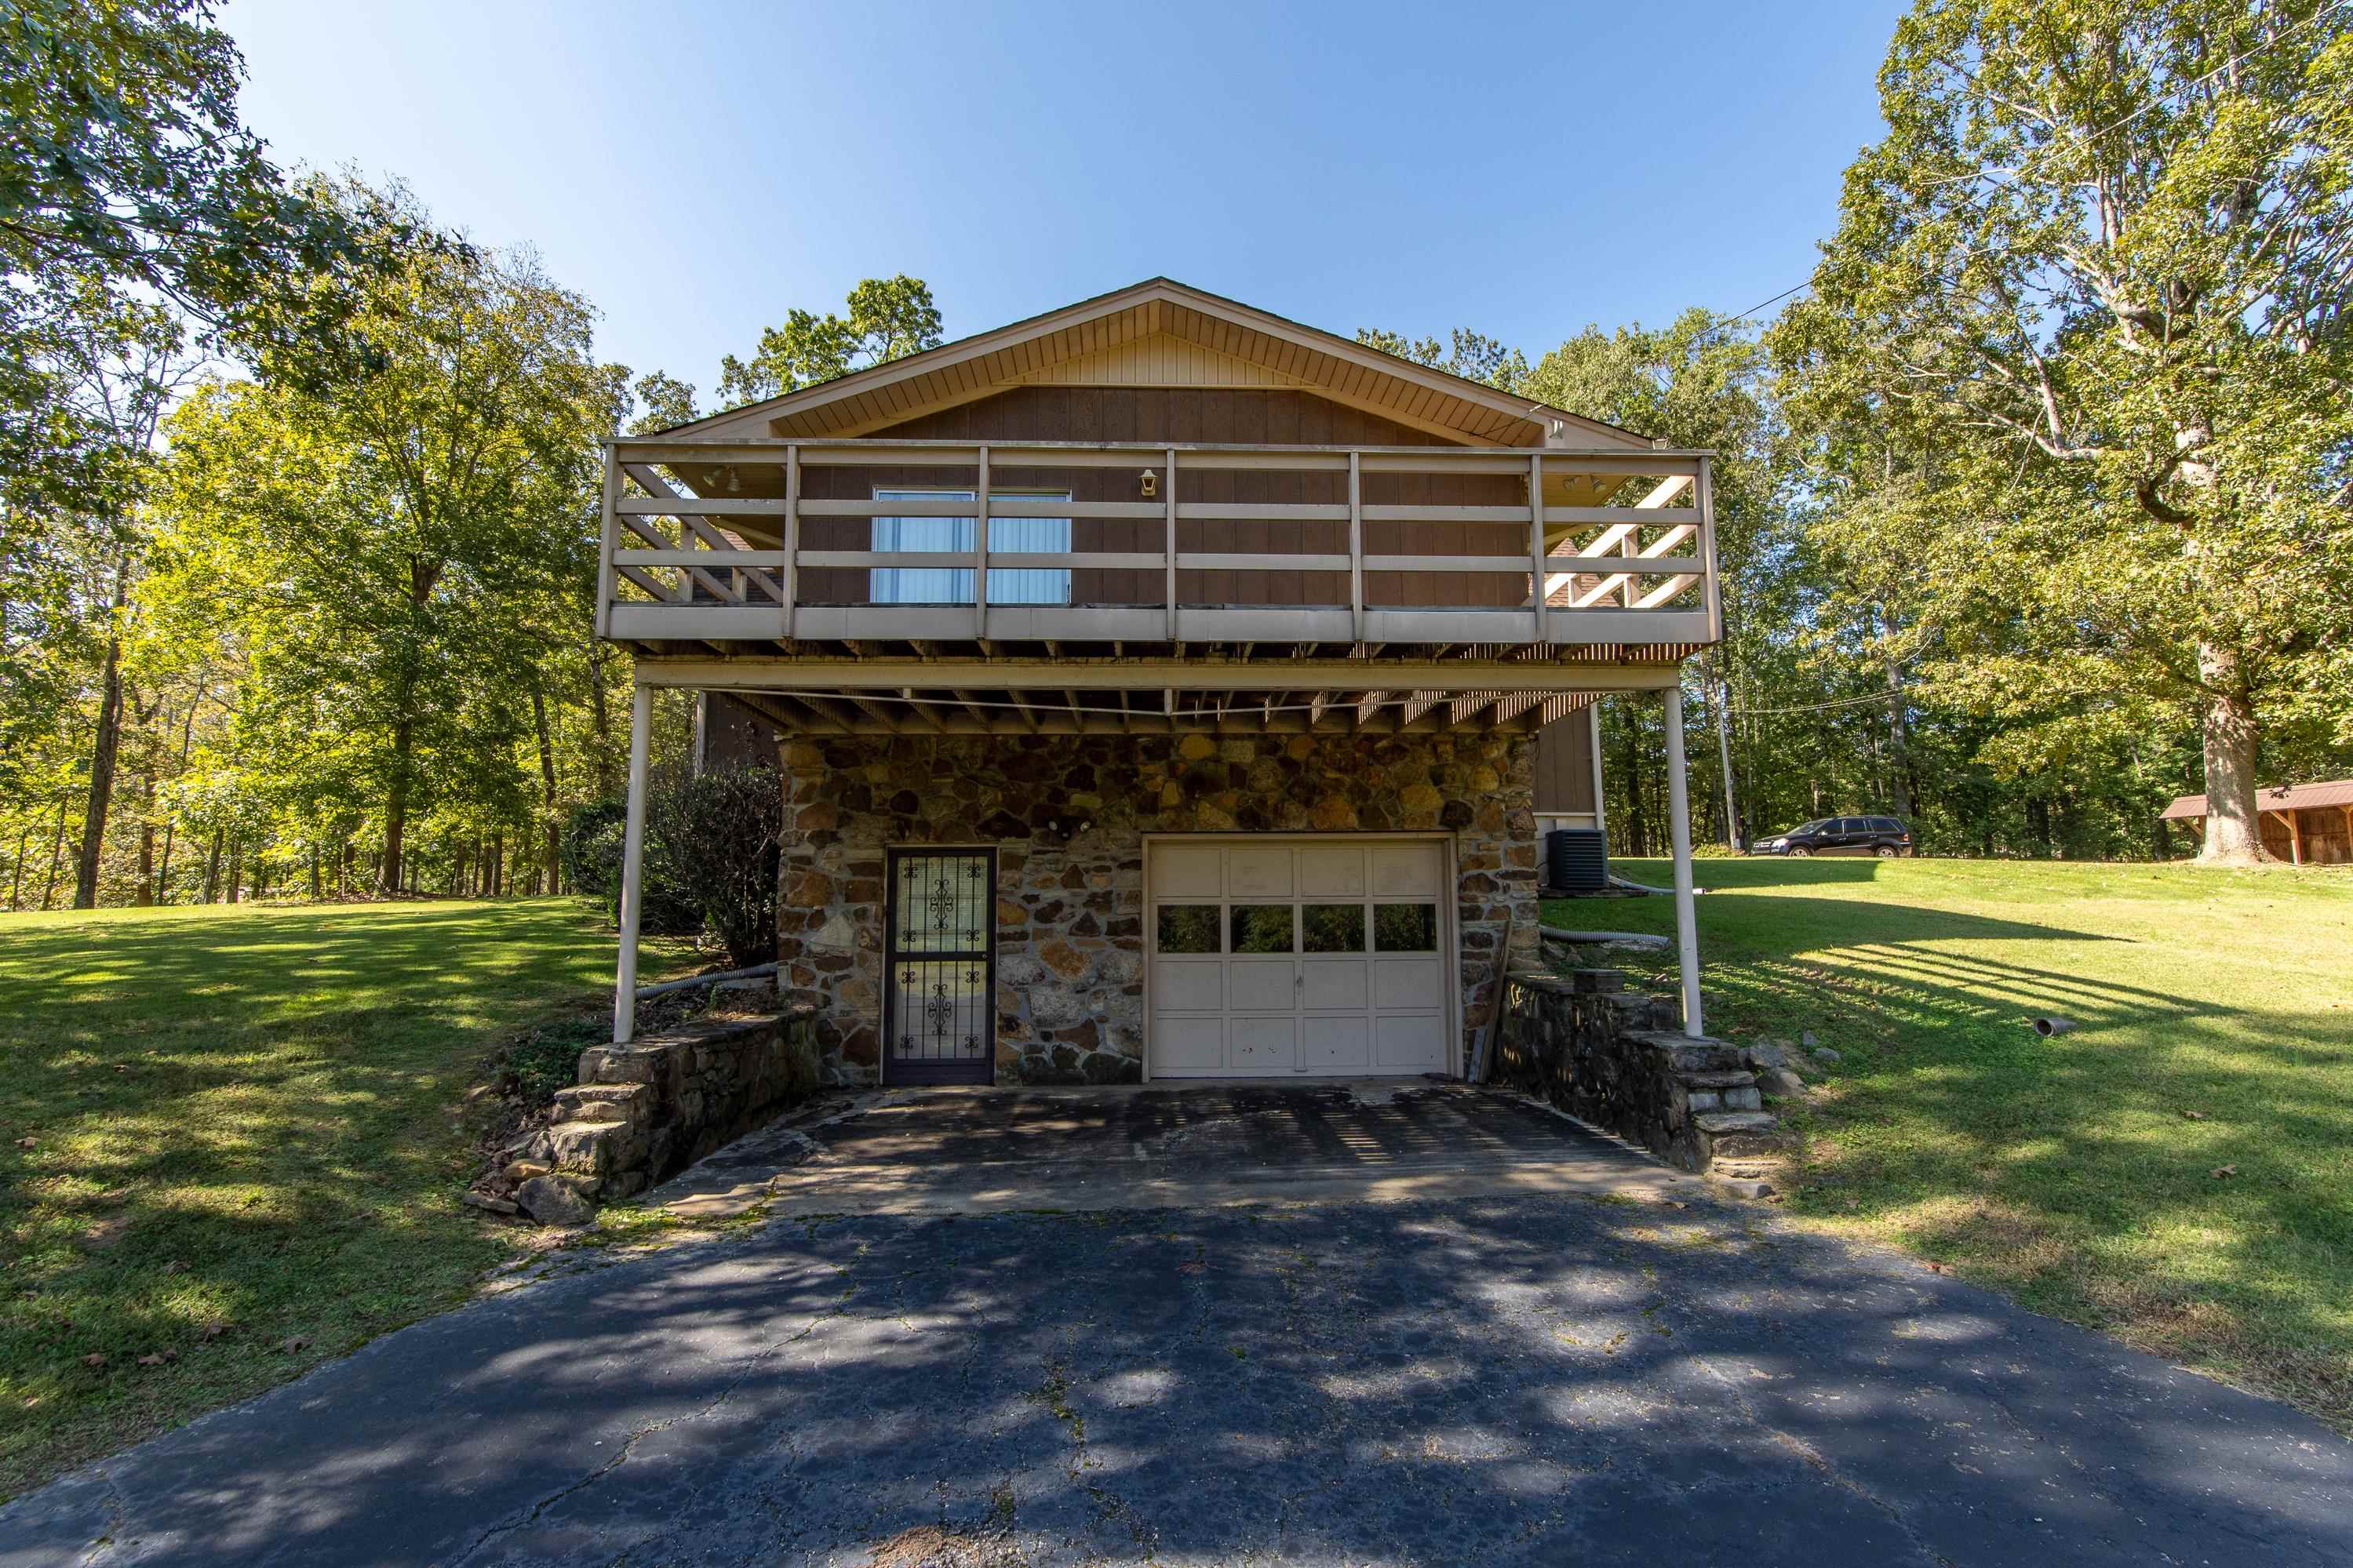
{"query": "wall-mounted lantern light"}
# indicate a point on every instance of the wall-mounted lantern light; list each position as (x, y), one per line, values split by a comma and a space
(1151, 484)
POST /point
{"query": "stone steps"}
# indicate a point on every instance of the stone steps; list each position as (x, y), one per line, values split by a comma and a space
(607, 1102)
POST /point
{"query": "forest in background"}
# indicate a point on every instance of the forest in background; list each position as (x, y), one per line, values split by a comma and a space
(2031, 502)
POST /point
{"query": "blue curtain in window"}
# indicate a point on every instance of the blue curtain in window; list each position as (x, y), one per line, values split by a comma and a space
(952, 535)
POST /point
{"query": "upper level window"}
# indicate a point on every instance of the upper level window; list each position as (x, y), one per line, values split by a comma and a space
(952, 535)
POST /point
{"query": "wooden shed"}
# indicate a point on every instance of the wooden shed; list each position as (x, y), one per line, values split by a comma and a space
(2309, 825)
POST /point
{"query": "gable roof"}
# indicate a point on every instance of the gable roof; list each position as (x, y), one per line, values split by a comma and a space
(1161, 327)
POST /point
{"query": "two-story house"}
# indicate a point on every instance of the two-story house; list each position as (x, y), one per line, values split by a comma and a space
(1154, 684)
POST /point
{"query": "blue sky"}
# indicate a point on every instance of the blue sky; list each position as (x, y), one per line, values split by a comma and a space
(696, 169)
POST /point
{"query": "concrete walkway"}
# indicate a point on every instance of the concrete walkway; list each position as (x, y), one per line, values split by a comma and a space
(1495, 1376)
(985, 1151)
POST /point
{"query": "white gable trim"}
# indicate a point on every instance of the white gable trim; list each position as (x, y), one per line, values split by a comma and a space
(863, 401)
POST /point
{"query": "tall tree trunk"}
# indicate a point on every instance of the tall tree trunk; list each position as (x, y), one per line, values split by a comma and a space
(163, 869)
(316, 891)
(212, 869)
(235, 863)
(601, 723)
(1637, 823)
(1733, 835)
(17, 870)
(396, 804)
(1899, 746)
(2234, 835)
(57, 857)
(146, 894)
(547, 782)
(103, 749)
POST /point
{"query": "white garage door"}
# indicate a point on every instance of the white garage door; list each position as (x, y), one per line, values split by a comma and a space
(1279, 958)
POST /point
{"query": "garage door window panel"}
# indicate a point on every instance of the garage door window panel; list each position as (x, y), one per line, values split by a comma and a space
(1333, 928)
(1405, 928)
(1188, 928)
(1261, 928)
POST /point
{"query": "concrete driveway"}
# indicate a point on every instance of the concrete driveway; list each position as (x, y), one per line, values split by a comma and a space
(1606, 1372)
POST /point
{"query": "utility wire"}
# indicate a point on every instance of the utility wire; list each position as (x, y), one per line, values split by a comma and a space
(2072, 139)
(2076, 139)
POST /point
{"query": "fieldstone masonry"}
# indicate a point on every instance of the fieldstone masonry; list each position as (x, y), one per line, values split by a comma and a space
(1067, 815)
(1617, 1059)
(644, 1110)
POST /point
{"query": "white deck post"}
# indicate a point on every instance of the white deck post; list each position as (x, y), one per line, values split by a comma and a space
(1679, 831)
(1593, 728)
(633, 845)
(1538, 618)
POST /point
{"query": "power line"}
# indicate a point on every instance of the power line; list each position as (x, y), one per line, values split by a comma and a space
(2087, 137)
(1792, 288)
(2081, 138)
(1818, 707)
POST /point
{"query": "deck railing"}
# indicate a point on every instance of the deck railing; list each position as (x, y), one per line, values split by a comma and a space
(772, 541)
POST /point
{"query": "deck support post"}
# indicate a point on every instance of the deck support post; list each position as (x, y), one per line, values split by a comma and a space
(1679, 832)
(1593, 729)
(1537, 595)
(633, 847)
(608, 539)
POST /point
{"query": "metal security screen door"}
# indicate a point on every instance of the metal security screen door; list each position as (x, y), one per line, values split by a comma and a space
(939, 972)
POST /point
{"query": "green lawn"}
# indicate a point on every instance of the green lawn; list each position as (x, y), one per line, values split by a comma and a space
(2069, 1171)
(247, 1117)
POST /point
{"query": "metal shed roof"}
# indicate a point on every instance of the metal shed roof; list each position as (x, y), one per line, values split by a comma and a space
(2277, 797)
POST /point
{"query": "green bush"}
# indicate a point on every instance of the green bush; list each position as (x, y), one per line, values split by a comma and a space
(591, 847)
(719, 835)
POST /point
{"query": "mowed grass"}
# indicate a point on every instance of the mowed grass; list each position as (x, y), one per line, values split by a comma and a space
(2077, 1173)
(246, 1118)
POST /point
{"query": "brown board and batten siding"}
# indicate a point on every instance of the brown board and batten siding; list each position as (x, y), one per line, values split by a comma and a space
(1565, 767)
(1206, 415)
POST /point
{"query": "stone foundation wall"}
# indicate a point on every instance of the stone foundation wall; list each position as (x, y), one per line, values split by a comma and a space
(1067, 815)
(645, 1110)
(1617, 1059)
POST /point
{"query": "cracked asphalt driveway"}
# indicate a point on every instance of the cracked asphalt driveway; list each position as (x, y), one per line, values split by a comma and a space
(1510, 1377)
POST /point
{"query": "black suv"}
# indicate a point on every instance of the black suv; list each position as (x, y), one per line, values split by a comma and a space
(1881, 836)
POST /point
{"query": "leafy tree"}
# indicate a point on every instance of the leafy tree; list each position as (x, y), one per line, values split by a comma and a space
(1474, 356)
(392, 546)
(888, 319)
(1699, 382)
(124, 172)
(663, 402)
(2076, 365)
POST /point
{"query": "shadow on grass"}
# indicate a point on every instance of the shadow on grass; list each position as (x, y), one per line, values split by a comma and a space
(244, 1117)
(2080, 1170)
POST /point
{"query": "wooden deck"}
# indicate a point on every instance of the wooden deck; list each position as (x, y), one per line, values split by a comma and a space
(766, 547)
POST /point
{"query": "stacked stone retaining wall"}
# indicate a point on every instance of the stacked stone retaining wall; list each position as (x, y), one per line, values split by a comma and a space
(1615, 1058)
(645, 1110)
